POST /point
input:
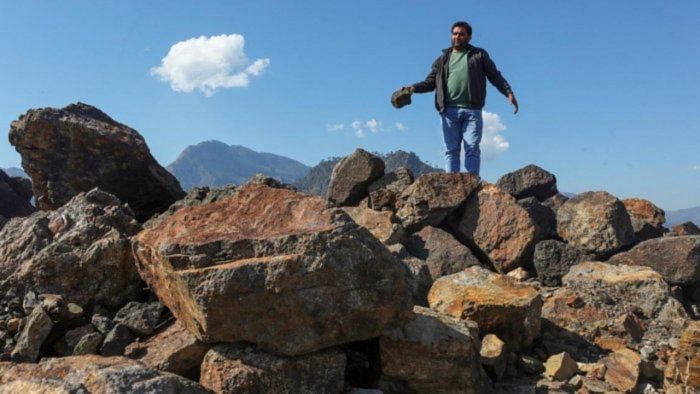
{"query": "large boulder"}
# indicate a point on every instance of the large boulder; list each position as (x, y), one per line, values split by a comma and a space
(529, 181)
(77, 148)
(647, 219)
(595, 221)
(80, 251)
(297, 277)
(677, 259)
(352, 176)
(385, 226)
(15, 193)
(384, 192)
(495, 222)
(432, 353)
(497, 303)
(552, 260)
(432, 197)
(238, 368)
(442, 253)
(91, 374)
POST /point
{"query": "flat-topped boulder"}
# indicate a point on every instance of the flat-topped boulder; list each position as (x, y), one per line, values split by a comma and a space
(497, 303)
(647, 219)
(595, 221)
(529, 181)
(297, 277)
(433, 196)
(352, 176)
(91, 374)
(677, 259)
(499, 226)
(77, 148)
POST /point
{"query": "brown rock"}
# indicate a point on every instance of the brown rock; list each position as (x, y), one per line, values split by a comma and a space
(66, 345)
(686, 228)
(683, 367)
(494, 356)
(33, 335)
(623, 369)
(676, 258)
(560, 367)
(500, 227)
(443, 254)
(432, 197)
(91, 374)
(647, 218)
(241, 369)
(80, 251)
(173, 350)
(595, 221)
(298, 277)
(384, 192)
(96, 152)
(432, 353)
(385, 226)
(352, 176)
(498, 304)
(418, 279)
(529, 181)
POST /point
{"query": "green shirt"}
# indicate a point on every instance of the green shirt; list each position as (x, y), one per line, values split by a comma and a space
(458, 80)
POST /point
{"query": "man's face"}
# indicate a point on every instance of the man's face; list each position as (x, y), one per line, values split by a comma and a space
(460, 37)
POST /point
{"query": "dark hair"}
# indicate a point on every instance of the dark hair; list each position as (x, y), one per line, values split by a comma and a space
(464, 25)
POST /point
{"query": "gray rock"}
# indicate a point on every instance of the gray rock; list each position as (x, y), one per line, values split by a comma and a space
(88, 344)
(102, 323)
(66, 345)
(116, 341)
(530, 365)
(14, 199)
(141, 318)
(529, 181)
(352, 176)
(443, 254)
(543, 217)
(418, 279)
(35, 332)
(552, 260)
(384, 192)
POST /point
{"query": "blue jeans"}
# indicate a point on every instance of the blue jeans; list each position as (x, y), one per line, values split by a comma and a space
(462, 125)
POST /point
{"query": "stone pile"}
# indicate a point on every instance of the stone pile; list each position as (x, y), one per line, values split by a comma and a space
(440, 283)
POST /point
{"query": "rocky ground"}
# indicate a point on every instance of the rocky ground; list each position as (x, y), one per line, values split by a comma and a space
(441, 283)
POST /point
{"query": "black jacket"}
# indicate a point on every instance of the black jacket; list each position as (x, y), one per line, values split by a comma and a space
(480, 68)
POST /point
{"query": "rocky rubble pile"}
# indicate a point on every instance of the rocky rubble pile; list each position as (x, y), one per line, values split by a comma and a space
(440, 283)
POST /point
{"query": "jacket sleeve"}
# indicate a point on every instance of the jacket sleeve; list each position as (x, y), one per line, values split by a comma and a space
(429, 84)
(494, 76)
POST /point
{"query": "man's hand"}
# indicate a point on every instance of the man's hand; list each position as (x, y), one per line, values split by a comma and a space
(514, 101)
(410, 88)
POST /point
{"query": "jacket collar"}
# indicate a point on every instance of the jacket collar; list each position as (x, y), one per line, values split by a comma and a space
(448, 50)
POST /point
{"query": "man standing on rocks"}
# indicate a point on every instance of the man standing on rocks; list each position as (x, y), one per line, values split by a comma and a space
(458, 77)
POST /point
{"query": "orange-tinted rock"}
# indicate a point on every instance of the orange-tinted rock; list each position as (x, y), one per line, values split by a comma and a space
(495, 222)
(494, 356)
(385, 226)
(683, 368)
(647, 218)
(296, 276)
(497, 303)
(432, 197)
(560, 367)
(623, 369)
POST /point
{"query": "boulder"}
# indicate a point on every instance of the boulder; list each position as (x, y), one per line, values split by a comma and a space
(91, 374)
(529, 181)
(443, 254)
(352, 176)
(66, 345)
(88, 344)
(560, 367)
(647, 219)
(623, 370)
(432, 197)
(173, 350)
(385, 226)
(33, 335)
(384, 192)
(80, 251)
(494, 356)
(432, 353)
(116, 340)
(544, 218)
(552, 260)
(683, 367)
(495, 222)
(686, 228)
(140, 317)
(595, 221)
(238, 368)
(297, 276)
(78, 148)
(14, 199)
(499, 304)
(555, 202)
(677, 259)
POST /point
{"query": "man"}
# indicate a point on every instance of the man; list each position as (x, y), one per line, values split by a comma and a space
(458, 77)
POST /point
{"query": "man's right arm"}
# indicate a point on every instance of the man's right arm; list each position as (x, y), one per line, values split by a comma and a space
(429, 84)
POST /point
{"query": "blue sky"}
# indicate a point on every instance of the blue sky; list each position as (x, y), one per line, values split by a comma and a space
(609, 91)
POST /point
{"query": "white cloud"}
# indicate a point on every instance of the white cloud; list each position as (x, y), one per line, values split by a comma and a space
(400, 126)
(361, 128)
(694, 168)
(335, 127)
(492, 142)
(208, 63)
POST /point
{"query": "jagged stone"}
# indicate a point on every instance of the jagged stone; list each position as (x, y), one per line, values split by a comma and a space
(529, 181)
(80, 251)
(595, 221)
(552, 260)
(298, 277)
(95, 152)
(432, 197)
(116, 341)
(677, 259)
(103, 324)
(385, 226)
(14, 199)
(418, 279)
(443, 254)
(623, 370)
(352, 176)
(555, 202)
(544, 218)
(647, 219)
(140, 317)
(173, 350)
(560, 367)
(494, 356)
(498, 304)
(91, 374)
(686, 228)
(432, 353)
(35, 332)
(243, 369)
(495, 222)
(88, 344)
(683, 368)
(384, 192)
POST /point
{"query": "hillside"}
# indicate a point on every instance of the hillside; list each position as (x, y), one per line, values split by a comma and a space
(683, 215)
